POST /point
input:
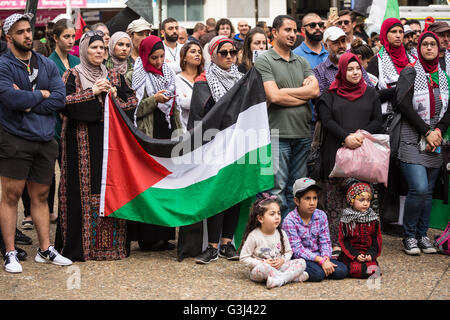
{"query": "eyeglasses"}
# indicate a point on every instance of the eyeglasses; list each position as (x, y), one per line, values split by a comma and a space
(345, 22)
(224, 53)
(313, 25)
(429, 44)
(91, 33)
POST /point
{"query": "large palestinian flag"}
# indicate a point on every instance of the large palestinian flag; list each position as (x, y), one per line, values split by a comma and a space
(222, 161)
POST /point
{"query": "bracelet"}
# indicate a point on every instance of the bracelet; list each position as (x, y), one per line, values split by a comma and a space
(428, 133)
(321, 262)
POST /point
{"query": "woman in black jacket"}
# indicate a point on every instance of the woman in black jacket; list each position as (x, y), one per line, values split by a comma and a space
(221, 75)
(348, 105)
(421, 96)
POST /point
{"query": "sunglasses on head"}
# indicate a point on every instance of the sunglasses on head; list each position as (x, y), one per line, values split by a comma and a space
(91, 33)
(345, 22)
(224, 53)
(313, 25)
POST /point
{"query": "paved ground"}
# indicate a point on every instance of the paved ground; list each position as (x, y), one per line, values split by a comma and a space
(157, 275)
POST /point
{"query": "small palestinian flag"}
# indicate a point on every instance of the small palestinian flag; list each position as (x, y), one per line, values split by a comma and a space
(222, 161)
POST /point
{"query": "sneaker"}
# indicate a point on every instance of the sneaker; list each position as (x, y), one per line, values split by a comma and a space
(21, 254)
(410, 246)
(27, 225)
(228, 252)
(210, 254)
(12, 262)
(51, 256)
(425, 245)
(20, 238)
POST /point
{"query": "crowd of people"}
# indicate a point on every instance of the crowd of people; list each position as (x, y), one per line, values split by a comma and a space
(318, 73)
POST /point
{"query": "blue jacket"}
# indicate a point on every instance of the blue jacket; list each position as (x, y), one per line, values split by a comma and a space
(39, 123)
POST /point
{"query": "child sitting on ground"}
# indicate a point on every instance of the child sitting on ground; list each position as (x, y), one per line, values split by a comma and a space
(308, 233)
(359, 231)
(265, 248)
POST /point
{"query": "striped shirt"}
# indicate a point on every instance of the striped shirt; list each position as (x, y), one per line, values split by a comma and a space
(409, 141)
(308, 240)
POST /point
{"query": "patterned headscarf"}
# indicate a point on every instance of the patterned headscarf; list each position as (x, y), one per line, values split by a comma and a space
(119, 65)
(89, 73)
(356, 189)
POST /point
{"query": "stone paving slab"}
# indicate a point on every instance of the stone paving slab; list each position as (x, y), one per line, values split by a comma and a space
(157, 275)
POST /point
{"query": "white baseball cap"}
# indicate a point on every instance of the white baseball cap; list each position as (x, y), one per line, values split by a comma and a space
(333, 33)
(9, 22)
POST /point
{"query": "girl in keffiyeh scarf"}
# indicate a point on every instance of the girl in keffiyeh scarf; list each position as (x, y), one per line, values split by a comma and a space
(359, 232)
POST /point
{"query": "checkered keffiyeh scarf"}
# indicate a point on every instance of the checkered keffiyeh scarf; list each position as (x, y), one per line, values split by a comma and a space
(388, 74)
(150, 83)
(220, 81)
(421, 97)
(447, 61)
(352, 216)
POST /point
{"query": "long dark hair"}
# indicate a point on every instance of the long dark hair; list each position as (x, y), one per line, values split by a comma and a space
(183, 53)
(258, 209)
(247, 53)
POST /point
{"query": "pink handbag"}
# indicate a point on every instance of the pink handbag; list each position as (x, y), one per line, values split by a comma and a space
(369, 162)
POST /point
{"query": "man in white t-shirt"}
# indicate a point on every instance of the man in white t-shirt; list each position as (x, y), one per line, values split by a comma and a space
(170, 33)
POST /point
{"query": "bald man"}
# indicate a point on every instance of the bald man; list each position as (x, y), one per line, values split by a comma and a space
(239, 38)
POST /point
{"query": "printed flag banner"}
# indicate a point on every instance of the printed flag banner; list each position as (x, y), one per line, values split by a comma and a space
(222, 161)
(380, 11)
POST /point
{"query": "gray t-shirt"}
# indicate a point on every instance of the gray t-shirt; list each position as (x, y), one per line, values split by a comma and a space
(292, 122)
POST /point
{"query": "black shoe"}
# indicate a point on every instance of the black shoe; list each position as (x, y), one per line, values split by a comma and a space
(228, 251)
(20, 238)
(210, 254)
(21, 254)
(411, 247)
(425, 245)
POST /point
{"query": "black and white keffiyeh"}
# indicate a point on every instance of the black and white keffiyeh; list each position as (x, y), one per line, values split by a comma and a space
(421, 97)
(388, 75)
(349, 216)
(220, 81)
(147, 82)
(447, 61)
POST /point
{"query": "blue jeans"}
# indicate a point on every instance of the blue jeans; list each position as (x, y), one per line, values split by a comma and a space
(421, 181)
(289, 163)
(316, 273)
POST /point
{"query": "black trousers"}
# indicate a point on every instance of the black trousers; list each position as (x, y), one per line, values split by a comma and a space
(224, 224)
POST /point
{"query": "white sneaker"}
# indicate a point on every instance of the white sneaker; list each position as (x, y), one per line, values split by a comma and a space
(51, 256)
(12, 262)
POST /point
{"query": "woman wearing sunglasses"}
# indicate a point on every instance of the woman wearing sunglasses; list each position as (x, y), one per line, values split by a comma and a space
(221, 75)
(81, 233)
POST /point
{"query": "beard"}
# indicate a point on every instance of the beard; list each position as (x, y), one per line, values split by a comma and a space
(410, 44)
(172, 38)
(314, 37)
(21, 47)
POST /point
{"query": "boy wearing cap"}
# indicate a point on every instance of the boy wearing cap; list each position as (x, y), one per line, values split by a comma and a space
(309, 237)
(31, 90)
